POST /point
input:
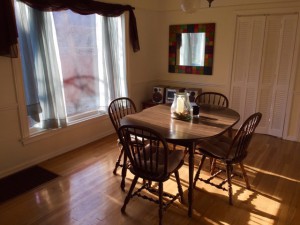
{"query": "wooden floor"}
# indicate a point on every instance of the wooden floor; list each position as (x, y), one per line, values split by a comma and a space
(87, 192)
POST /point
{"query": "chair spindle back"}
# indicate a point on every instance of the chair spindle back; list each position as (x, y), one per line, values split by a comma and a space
(213, 98)
(120, 108)
(147, 151)
(241, 140)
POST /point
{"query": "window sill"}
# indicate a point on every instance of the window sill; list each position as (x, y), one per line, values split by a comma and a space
(40, 134)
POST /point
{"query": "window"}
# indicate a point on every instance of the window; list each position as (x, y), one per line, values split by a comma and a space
(73, 65)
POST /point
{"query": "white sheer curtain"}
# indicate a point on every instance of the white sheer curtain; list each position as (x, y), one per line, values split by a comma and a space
(47, 67)
(41, 66)
(112, 72)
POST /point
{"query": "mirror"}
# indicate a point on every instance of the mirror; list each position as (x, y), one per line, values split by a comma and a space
(191, 48)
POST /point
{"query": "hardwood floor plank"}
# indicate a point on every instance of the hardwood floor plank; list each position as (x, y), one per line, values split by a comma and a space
(88, 193)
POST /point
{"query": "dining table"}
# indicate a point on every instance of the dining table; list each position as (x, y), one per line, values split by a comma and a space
(211, 121)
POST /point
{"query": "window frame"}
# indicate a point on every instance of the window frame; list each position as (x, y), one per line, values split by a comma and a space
(33, 134)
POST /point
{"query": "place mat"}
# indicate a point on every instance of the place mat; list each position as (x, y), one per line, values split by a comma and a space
(23, 181)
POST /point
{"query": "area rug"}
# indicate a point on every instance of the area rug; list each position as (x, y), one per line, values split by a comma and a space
(23, 181)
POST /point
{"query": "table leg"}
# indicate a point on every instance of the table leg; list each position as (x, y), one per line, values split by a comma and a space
(191, 179)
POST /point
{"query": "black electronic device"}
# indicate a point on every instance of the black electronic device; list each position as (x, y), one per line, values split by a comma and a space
(158, 94)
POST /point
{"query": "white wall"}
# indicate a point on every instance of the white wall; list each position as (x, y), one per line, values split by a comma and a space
(143, 64)
(224, 39)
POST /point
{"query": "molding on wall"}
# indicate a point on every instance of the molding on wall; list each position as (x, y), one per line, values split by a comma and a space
(298, 130)
(291, 138)
(297, 136)
(226, 3)
(20, 96)
(54, 154)
(296, 92)
(9, 107)
(169, 6)
(189, 84)
(136, 82)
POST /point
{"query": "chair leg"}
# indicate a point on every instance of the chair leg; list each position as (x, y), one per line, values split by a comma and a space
(245, 176)
(198, 171)
(118, 160)
(212, 166)
(149, 182)
(179, 186)
(124, 171)
(229, 172)
(160, 209)
(128, 197)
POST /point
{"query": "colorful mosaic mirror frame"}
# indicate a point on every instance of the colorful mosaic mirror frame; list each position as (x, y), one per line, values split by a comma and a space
(209, 30)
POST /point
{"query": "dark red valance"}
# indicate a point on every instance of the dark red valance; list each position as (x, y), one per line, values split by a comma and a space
(8, 29)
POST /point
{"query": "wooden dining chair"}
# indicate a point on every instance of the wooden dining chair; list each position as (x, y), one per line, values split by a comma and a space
(150, 159)
(117, 109)
(212, 98)
(230, 151)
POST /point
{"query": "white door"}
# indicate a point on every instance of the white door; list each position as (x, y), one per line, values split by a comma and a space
(265, 70)
(246, 64)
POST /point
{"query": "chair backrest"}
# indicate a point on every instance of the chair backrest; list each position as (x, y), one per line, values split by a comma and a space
(241, 141)
(213, 98)
(119, 108)
(147, 151)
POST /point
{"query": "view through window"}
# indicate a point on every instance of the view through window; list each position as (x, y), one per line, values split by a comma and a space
(91, 60)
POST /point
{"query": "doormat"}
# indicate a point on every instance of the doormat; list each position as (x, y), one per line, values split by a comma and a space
(23, 181)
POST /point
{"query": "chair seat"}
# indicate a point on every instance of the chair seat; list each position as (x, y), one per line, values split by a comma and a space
(175, 160)
(216, 147)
